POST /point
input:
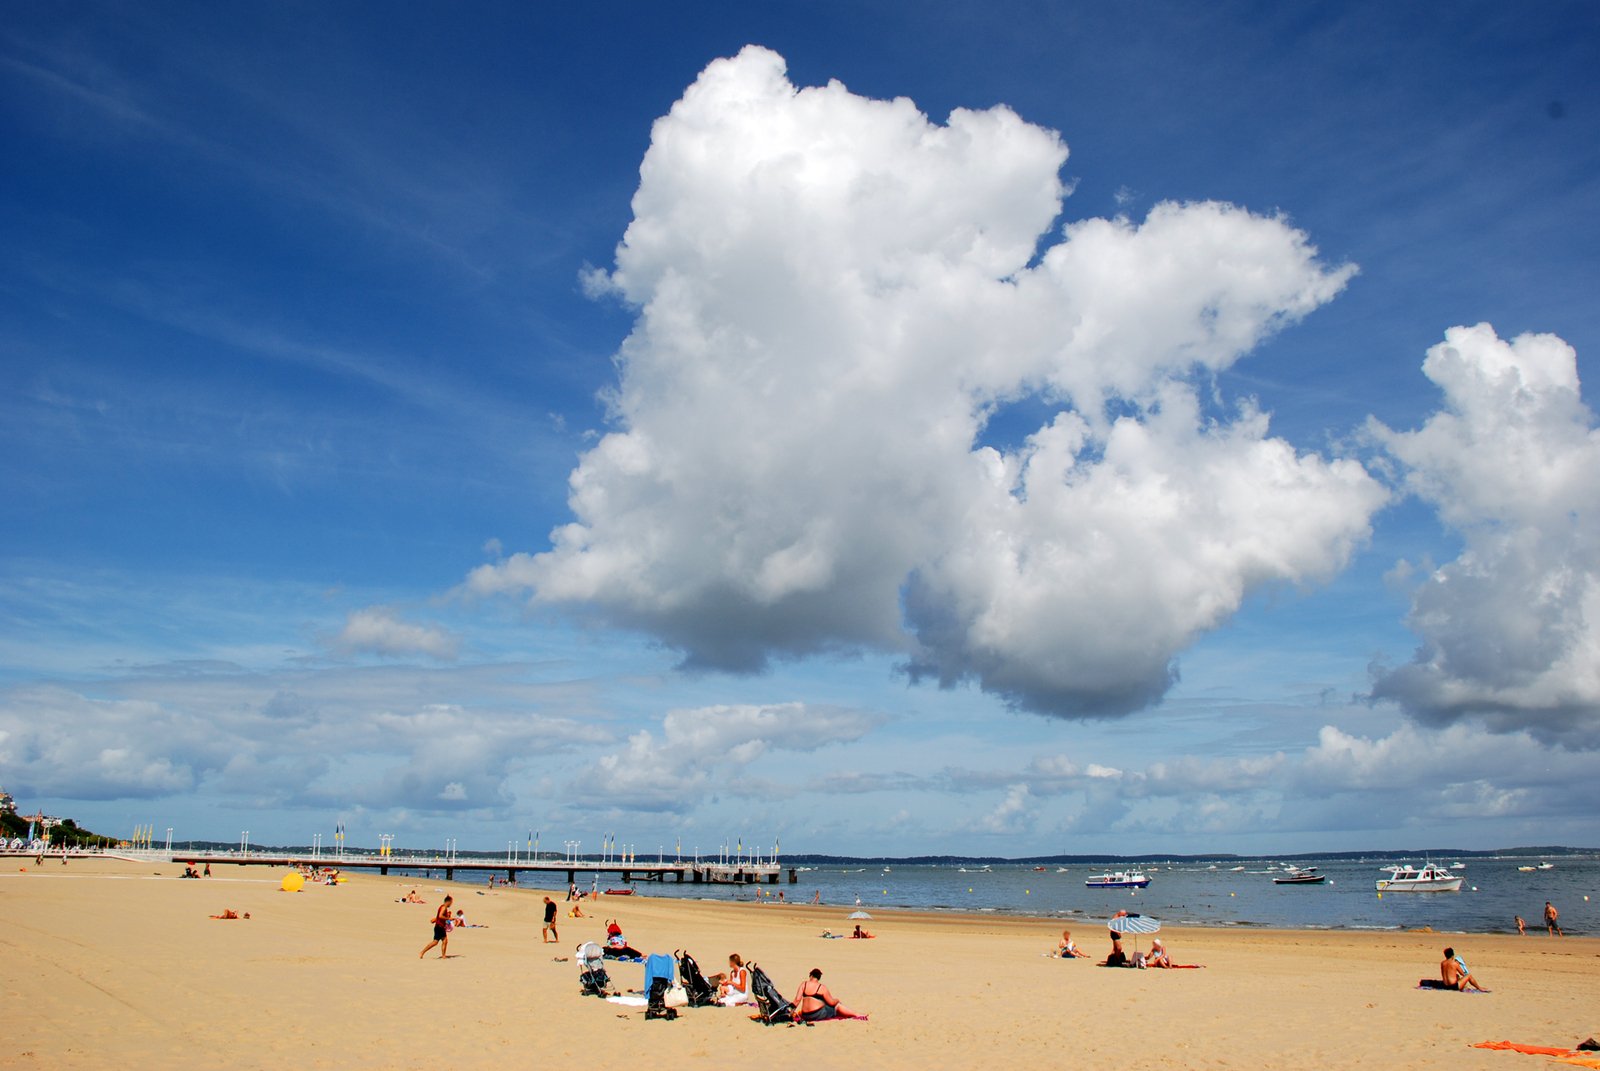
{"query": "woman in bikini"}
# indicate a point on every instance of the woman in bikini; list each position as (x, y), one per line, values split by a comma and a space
(441, 930)
(813, 1003)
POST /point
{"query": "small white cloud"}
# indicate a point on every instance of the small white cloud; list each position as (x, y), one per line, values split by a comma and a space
(377, 630)
(1012, 814)
(700, 750)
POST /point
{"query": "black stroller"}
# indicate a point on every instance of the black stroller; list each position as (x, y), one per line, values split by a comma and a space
(774, 1009)
(694, 983)
(592, 974)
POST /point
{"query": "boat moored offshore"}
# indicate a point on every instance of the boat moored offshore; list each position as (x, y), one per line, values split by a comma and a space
(1429, 879)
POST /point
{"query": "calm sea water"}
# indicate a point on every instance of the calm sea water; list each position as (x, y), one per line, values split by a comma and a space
(1493, 892)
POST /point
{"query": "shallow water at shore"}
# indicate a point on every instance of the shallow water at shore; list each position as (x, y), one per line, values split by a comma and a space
(1493, 892)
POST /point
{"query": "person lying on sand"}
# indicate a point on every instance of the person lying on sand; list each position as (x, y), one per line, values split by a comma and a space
(230, 913)
(860, 934)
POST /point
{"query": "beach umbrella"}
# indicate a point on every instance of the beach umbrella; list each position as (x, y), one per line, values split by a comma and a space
(1134, 924)
(859, 915)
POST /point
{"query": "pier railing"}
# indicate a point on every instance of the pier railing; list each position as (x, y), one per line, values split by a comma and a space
(579, 871)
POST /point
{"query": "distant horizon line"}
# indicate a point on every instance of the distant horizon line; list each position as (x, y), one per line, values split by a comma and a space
(825, 857)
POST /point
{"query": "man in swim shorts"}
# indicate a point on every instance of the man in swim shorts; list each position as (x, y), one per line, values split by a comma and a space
(549, 932)
(1453, 969)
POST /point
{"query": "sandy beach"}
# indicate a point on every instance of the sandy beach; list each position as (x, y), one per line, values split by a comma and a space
(117, 964)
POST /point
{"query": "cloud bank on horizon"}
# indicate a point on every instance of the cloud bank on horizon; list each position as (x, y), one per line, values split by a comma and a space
(836, 301)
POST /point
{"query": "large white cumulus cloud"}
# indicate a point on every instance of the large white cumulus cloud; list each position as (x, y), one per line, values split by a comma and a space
(834, 296)
(1511, 627)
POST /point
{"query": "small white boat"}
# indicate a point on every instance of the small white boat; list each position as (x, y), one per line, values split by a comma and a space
(1297, 876)
(1429, 879)
(1119, 879)
(1526, 869)
(1547, 866)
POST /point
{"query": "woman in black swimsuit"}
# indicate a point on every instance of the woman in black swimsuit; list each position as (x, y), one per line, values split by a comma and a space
(813, 1003)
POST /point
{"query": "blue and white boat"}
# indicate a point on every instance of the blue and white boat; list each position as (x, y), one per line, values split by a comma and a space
(1118, 879)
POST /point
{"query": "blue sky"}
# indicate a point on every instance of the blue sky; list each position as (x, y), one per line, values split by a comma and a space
(991, 429)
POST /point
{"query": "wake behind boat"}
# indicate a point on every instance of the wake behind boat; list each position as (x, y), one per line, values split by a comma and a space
(1119, 879)
(1429, 879)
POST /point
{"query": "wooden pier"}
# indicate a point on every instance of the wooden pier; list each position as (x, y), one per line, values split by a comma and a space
(583, 872)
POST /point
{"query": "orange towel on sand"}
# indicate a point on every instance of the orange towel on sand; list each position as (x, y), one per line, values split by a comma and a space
(1531, 1050)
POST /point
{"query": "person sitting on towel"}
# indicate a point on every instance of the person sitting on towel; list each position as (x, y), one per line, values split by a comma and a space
(1068, 948)
(1453, 969)
(813, 1003)
(616, 946)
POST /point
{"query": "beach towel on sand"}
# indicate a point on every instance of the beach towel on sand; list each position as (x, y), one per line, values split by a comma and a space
(1531, 1050)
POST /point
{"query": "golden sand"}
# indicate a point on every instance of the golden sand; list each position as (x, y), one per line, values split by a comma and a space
(110, 964)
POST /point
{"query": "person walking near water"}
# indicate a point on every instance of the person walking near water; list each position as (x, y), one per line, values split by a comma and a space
(441, 931)
(1550, 916)
(549, 932)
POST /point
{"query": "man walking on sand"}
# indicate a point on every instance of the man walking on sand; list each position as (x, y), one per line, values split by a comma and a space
(441, 931)
(1550, 916)
(549, 932)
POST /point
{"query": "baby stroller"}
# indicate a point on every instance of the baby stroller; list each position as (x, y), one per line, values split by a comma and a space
(592, 974)
(773, 1008)
(694, 983)
(657, 980)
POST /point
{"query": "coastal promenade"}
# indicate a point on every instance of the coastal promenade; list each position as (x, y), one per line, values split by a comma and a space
(591, 872)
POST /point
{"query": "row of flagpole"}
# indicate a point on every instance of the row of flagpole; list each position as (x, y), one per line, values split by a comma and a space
(610, 851)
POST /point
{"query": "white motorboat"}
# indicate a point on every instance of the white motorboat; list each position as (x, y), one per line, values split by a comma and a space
(1429, 879)
(1297, 876)
(1119, 879)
